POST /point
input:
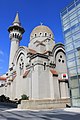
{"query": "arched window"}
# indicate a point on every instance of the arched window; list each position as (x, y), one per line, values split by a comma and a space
(21, 68)
(44, 65)
(18, 35)
(35, 34)
(40, 34)
(45, 34)
(60, 56)
(15, 35)
(50, 35)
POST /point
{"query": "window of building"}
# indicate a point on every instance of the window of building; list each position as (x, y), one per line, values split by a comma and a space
(60, 56)
(21, 65)
(33, 66)
(59, 60)
(67, 26)
(72, 71)
(50, 35)
(73, 16)
(21, 59)
(44, 65)
(75, 92)
(64, 14)
(35, 34)
(69, 47)
(71, 63)
(68, 34)
(77, 43)
(71, 8)
(15, 35)
(40, 34)
(72, 11)
(76, 36)
(62, 61)
(79, 69)
(73, 82)
(45, 34)
(70, 55)
(74, 22)
(65, 21)
(68, 40)
(78, 3)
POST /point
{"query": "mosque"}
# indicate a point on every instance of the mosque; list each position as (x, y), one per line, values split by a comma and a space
(39, 70)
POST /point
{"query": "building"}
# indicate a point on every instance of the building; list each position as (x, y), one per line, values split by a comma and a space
(2, 80)
(70, 18)
(39, 70)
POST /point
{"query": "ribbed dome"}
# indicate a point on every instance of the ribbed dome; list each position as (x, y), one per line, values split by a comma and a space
(41, 31)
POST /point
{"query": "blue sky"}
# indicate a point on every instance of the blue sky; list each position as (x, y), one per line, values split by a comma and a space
(31, 13)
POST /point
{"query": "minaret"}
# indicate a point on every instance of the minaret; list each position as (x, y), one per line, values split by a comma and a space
(16, 31)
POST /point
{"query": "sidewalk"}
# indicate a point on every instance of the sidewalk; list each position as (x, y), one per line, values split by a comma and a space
(73, 109)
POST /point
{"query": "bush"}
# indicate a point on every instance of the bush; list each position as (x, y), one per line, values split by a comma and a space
(24, 97)
(3, 98)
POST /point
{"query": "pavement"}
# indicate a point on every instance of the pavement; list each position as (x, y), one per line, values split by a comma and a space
(7, 113)
(73, 109)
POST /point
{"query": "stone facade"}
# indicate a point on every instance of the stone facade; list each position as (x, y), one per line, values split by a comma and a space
(39, 70)
(44, 104)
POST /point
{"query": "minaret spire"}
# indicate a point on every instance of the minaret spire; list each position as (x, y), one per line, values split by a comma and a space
(17, 20)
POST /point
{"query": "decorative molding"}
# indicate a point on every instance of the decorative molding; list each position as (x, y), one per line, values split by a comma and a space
(38, 55)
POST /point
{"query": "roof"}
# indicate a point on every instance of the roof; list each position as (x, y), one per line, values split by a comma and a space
(45, 52)
(32, 51)
(54, 72)
(41, 29)
(2, 78)
(16, 24)
(26, 73)
(16, 20)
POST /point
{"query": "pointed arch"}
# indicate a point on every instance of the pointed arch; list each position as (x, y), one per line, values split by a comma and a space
(57, 48)
(22, 50)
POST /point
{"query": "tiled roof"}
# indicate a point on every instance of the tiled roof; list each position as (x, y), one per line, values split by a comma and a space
(2, 78)
(54, 72)
(45, 52)
(64, 75)
(26, 73)
(32, 51)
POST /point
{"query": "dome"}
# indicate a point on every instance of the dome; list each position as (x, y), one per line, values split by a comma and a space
(41, 31)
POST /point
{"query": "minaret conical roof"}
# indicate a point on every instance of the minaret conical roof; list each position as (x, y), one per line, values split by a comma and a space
(17, 20)
(16, 24)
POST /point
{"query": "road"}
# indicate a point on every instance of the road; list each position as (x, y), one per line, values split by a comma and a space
(6, 113)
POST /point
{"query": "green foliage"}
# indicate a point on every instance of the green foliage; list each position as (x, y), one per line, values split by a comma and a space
(24, 97)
